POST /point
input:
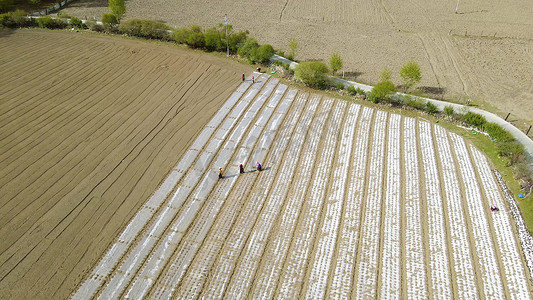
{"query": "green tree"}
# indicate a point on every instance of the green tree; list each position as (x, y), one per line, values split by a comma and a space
(236, 40)
(385, 75)
(410, 74)
(248, 48)
(181, 35)
(5, 5)
(264, 53)
(293, 46)
(312, 73)
(335, 63)
(213, 40)
(118, 8)
(382, 91)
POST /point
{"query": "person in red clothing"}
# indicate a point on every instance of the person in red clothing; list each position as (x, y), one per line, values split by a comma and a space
(243, 77)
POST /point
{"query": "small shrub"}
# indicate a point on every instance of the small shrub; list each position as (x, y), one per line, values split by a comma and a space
(416, 103)
(351, 90)
(109, 21)
(46, 22)
(448, 110)
(382, 91)
(474, 119)
(497, 132)
(287, 66)
(339, 86)
(431, 108)
(277, 63)
(196, 40)
(92, 25)
(281, 53)
(76, 22)
(180, 36)
(312, 73)
(359, 91)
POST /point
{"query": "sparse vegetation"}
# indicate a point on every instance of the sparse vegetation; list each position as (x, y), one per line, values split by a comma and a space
(351, 90)
(339, 86)
(293, 47)
(431, 108)
(385, 75)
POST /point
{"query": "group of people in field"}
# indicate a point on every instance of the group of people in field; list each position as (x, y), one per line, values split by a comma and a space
(258, 166)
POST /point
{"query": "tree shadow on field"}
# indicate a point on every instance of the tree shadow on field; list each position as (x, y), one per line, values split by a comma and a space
(351, 75)
(89, 3)
(432, 90)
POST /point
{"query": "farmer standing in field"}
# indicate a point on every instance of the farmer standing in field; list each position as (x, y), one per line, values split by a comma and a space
(220, 173)
(243, 77)
(253, 79)
(241, 168)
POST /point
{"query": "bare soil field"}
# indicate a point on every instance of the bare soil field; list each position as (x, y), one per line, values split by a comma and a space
(352, 202)
(483, 53)
(90, 127)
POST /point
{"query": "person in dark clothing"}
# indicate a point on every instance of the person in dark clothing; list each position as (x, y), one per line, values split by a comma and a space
(259, 167)
(220, 173)
(241, 168)
(243, 77)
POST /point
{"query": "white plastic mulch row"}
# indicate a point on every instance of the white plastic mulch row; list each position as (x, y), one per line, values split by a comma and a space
(293, 274)
(327, 237)
(198, 271)
(225, 265)
(243, 276)
(367, 274)
(512, 264)
(195, 235)
(490, 273)
(148, 240)
(461, 252)
(343, 274)
(112, 257)
(391, 253)
(440, 275)
(273, 258)
(523, 233)
(414, 251)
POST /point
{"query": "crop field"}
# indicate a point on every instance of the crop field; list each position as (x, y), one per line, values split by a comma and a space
(352, 201)
(483, 53)
(89, 127)
(109, 152)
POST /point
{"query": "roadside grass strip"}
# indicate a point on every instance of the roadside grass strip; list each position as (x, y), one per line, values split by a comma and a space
(249, 261)
(490, 273)
(440, 275)
(462, 256)
(144, 215)
(327, 238)
(195, 234)
(512, 264)
(366, 283)
(414, 252)
(274, 256)
(343, 274)
(226, 262)
(203, 261)
(391, 257)
(293, 274)
(150, 238)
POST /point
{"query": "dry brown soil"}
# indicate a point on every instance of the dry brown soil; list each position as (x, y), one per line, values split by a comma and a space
(90, 126)
(483, 53)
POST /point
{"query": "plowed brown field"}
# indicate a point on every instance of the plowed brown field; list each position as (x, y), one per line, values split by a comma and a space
(89, 127)
(482, 53)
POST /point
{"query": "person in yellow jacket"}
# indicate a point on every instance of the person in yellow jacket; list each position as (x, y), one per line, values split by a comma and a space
(220, 173)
